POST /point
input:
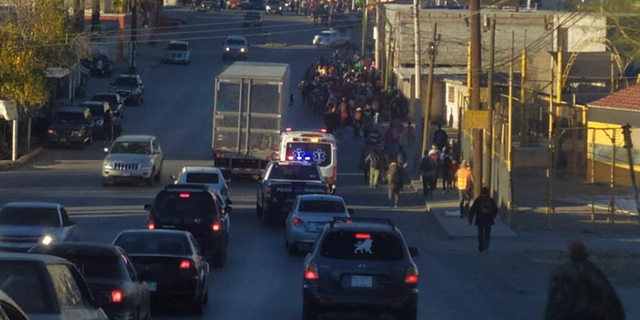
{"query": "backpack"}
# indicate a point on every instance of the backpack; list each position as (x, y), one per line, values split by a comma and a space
(425, 165)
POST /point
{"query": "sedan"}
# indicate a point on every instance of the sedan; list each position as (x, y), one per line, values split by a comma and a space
(210, 176)
(111, 277)
(171, 264)
(309, 213)
(330, 38)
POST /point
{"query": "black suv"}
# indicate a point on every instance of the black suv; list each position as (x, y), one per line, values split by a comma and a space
(197, 209)
(71, 126)
(130, 88)
(360, 264)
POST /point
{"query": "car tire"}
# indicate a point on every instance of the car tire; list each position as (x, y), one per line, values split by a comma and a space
(409, 313)
(197, 306)
(258, 211)
(309, 311)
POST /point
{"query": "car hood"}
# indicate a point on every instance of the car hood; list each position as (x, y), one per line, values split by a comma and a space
(122, 88)
(234, 46)
(129, 157)
(65, 126)
(30, 231)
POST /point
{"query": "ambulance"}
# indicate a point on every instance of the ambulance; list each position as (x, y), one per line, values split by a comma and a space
(312, 146)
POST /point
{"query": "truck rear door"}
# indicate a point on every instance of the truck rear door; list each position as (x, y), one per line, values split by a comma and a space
(264, 118)
(228, 107)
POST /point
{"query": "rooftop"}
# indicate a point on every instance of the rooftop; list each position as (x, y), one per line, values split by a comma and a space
(627, 99)
(256, 70)
(135, 138)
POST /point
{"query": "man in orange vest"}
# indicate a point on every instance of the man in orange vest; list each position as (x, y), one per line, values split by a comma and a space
(465, 185)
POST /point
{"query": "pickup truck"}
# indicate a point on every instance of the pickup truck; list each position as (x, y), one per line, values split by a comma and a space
(282, 182)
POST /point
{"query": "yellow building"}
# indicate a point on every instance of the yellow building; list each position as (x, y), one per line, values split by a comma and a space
(605, 120)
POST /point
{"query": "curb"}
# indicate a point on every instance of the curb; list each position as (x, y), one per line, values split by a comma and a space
(8, 165)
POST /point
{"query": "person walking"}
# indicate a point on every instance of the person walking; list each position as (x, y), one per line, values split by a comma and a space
(435, 154)
(363, 163)
(401, 157)
(395, 183)
(440, 137)
(374, 162)
(445, 168)
(465, 181)
(484, 209)
(427, 172)
(116, 122)
(107, 126)
(580, 290)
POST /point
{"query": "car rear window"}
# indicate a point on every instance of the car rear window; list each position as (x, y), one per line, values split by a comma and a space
(329, 206)
(93, 266)
(199, 177)
(294, 172)
(127, 81)
(96, 110)
(178, 47)
(154, 243)
(25, 283)
(319, 153)
(46, 217)
(377, 246)
(108, 98)
(68, 117)
(183, 204)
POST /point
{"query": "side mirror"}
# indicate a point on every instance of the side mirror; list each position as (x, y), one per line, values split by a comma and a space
(229, 202)
(228, 210)
(351, 211)
(257, 177)
(414, 252)
(106, 150)
(147, 207)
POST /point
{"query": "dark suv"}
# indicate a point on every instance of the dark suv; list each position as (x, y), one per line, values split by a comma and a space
(360, 264)
(71, 126)
(197, 209)
(130, 88)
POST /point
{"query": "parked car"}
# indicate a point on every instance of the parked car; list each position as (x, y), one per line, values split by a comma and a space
(177, 52)
(235, 47)
(130, 157)
(110, 275)
(130, 88)
(252, 19)
(98, 109)
(210, 5)
(360, 264)
(331, 38)
(171, 264)
(26, 224)
(275, 6)
(116, 103)
(71, 126)
(47, 287)
(10, 310)
(197, 209)
(233, 4)
(99, 65)
(212, 177)
(258, 5)
(309, 213)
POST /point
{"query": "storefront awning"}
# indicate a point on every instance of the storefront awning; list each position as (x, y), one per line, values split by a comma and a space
(57, 72)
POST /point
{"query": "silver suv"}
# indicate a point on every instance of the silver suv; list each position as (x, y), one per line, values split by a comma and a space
(133, 157)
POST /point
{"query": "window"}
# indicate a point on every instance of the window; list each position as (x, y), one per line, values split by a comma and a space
(319, 153)
(15, 216)
(126, 82)
(322, 206)
(65, 217)
(198, 177)
(294, 172)
(175, 204)
(129, 266)
(235, 42)
(154, 243)
(100, 267)
(26, 284)
(131, 147)
(66, 288)
(178, 47)
(451, 94)
(68, 117)
(376, 246)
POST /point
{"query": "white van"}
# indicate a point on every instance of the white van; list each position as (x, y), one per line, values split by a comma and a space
(312, 146)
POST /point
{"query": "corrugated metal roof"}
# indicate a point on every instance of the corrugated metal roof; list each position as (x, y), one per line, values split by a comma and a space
(264, 70)
(627, 99)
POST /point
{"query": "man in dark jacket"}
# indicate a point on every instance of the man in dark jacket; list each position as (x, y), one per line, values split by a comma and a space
(440, 137)
(395, 182)
(484, 209)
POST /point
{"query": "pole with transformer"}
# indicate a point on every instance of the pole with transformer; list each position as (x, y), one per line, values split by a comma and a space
(427, 112)
(476, 69)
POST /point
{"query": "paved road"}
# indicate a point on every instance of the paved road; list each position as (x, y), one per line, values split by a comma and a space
(260, 280)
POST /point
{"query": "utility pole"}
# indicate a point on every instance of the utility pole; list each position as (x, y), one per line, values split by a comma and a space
(416, 43)
(427, 112)
(510, 111)
(365, 9)
(133, 44)
(476, 69)
(95, 16)
(524, 122)
(552, 110)
(628, 144)
(490, 135)
(78, 12)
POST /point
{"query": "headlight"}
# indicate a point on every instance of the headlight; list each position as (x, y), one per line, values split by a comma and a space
(226, 49)
(107, 165)
(268, 7)
(242, 49)
(47, 240)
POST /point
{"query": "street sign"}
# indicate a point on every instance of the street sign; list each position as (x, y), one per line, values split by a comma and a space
(477, 119)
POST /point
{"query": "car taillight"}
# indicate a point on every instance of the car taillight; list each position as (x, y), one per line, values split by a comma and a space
(185, 264)
(412, 276)
(335, 173)
(298, 222)
(117, 296)
(216, 227)
(311, 272)
(151, 224)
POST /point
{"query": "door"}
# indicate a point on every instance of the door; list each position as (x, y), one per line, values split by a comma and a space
(264, 117)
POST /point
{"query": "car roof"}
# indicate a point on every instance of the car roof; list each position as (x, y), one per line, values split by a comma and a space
(93, 102)
(80, 248)
(234, 37)
(46, 259)
(163, 231)
(127, 76)
(32, 204)
(201, 169)
(135, 138)
(106, 94)
(71, 110)
(294, 163)
(300, 133)
(179, 42)
(329, 31)
(321, 197)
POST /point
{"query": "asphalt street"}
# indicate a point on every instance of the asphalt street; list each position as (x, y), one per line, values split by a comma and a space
(260, 280)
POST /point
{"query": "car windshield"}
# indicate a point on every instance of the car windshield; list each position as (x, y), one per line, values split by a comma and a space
(15, 216)
(199, 177)
(178, 47)
(96, 110)
(319, 153)
(112, 99)
(154, 243)
(93, 266)
(131, 147)
(25, 283)
(349, 245)
(326, 33)
(235, 42)
(328, 206)
(184, 204)
(68, 117)
(294, 172)
(126, 82)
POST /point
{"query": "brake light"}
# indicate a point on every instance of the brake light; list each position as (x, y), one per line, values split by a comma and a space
(185, 264)
(185, 195)
(412, 276)
(363, 236)
(151, 226)
(335, 173)
(116, 296)
(311, 272)
(298, 222)
(323, 130)
(216, 227)
(288, 129)
(290, 158)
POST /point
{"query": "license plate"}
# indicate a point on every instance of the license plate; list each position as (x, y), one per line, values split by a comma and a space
(153, 286)
(126, 174)
(63, 140)
(362, 281)
(168, 226)
(319, 226)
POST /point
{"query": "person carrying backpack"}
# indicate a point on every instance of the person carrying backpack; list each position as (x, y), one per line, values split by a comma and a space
(374, 161)
(484, 209)
(394, 178)
(428, 173)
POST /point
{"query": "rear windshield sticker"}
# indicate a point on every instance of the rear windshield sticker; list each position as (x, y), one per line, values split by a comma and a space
(319, 156)
(363, 246)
